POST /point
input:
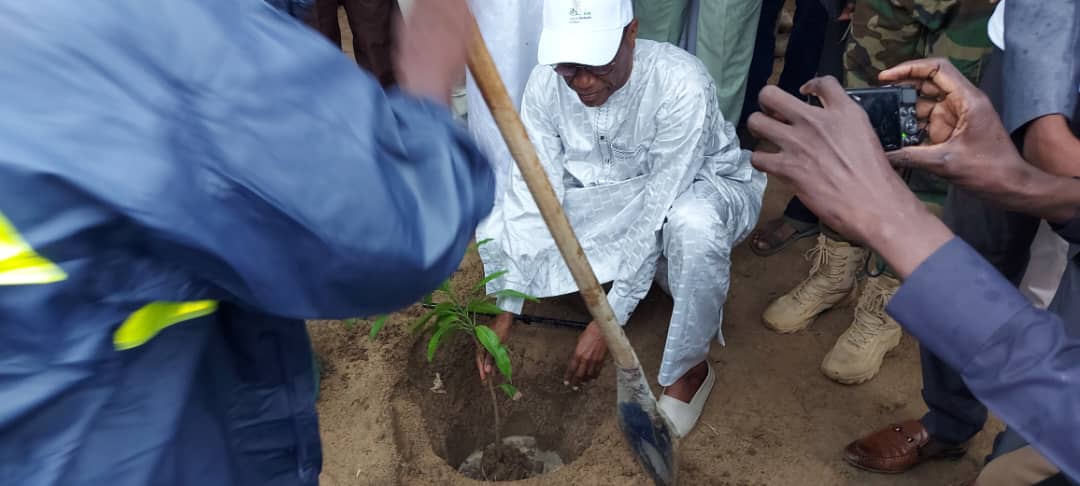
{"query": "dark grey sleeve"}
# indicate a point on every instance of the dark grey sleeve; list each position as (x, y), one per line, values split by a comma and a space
(1040, 66)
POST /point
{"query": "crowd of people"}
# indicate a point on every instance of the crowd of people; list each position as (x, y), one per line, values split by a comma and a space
(182, 185)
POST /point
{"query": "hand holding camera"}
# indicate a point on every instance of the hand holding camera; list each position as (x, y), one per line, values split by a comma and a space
(833, 158)
(968, 145)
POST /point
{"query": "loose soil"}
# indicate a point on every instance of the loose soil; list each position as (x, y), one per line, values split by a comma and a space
(458, 420)
(517, 457)
(772, 419)
(505, 463)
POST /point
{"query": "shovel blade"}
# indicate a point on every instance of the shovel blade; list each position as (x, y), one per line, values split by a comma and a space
(647, 431)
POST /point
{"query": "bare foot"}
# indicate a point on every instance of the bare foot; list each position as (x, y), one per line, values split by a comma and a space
(772, 234)
(684, 388)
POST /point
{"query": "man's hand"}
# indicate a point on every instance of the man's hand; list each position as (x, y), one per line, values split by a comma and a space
(433, 47)
(485, 364)
(834, 160)
(588, 357)
(968, 145)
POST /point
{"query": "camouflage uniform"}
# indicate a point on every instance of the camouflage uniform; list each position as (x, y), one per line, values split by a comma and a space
(885, 33)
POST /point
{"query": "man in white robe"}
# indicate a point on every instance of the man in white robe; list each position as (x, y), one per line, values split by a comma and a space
(651, 177)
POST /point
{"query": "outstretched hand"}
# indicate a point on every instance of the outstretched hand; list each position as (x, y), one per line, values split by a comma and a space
(433, 47)
(588, 358)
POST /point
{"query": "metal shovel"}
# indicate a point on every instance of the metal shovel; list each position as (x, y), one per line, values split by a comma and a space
(646, 430)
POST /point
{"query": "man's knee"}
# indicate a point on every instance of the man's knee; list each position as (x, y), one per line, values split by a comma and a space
(694, 228)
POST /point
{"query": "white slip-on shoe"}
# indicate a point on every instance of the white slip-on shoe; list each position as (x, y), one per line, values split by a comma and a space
(684, 416)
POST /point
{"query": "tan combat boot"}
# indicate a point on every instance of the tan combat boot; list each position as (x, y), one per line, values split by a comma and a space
(831, 283)
(857, 355)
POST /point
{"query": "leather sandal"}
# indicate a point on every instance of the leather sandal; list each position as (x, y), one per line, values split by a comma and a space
(773, 244)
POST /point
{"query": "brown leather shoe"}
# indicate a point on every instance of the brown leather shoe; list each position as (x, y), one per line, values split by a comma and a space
(898, 448)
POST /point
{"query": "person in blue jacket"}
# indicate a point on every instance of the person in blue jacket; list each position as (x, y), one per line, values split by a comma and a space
(181, 183)
(1020, 361)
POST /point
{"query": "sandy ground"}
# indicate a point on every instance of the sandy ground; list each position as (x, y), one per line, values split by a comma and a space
(773, 418)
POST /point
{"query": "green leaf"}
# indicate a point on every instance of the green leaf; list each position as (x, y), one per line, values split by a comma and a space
(483, 307)
(483, 283)
(350, 323)
(438, 313)
(428, 299)
(377, 326)
(510, 390)
(445, 287)
(433, 344)
(488, 339)
(484, 242)
(447, 321)
(514, 293)
(419, 323)
(502, 361)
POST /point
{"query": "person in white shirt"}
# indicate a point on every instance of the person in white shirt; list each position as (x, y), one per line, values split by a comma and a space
(651, 177)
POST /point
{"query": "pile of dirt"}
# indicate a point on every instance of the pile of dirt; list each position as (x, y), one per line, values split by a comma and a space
(501, 462)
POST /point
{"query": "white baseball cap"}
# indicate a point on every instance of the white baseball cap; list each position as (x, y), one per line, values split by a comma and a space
(585, 32)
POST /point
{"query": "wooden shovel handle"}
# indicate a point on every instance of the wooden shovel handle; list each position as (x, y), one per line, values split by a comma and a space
(524, 153)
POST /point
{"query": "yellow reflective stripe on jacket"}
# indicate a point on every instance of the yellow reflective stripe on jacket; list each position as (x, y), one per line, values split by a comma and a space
(20, 264)
(147, 322)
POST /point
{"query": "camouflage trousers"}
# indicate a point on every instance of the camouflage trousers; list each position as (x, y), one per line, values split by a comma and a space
(885, 33)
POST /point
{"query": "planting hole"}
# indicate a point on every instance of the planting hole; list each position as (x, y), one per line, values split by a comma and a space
(547, 428)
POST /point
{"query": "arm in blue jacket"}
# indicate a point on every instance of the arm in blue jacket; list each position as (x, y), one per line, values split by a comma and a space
(1022, 362)
(246, 149)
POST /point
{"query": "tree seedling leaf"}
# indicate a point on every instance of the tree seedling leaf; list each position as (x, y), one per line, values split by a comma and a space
(502, 361)
(447, 321)
(488, 339)
(377, 326)
(483, 283)
(514, 293)
(445, 286)
(510, 391)
(423, 320)
(433, 344)
(485, 308)
(484, 242)
(350, 323)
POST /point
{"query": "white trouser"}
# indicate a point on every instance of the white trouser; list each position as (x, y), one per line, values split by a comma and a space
(1047, 265)
(702, 227)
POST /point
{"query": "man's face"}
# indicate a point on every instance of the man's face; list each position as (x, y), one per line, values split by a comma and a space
(595, 84)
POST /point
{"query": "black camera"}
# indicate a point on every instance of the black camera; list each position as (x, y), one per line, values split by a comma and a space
(891, 110)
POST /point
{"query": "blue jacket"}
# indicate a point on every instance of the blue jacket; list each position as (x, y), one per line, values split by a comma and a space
(1023, 363)
(181, 183)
